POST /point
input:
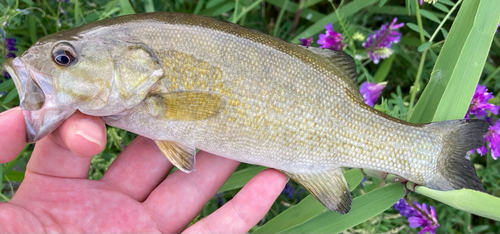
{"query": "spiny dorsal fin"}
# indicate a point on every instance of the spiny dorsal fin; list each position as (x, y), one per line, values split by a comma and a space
(186, 105)
(339, 59)
(329, 187)
(181, 156)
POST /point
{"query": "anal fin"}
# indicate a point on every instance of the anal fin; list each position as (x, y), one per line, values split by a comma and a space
(329, 187)
(181, 156)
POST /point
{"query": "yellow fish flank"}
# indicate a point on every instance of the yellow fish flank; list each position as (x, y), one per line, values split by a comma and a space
(192, 82)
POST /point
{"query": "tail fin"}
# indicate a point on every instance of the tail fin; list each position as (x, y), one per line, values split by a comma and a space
(457, 171)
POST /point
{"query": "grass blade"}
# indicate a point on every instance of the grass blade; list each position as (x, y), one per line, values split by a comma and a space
(126, 8)
(240, 178)
(475, 202)
(306, 209)
(384, 69)
(460, 63)
(364, 207)
(294, 7)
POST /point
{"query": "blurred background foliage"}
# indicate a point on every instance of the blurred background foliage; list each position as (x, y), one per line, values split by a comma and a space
(406, 71)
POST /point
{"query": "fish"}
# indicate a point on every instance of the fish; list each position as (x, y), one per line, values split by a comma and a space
(192, 82)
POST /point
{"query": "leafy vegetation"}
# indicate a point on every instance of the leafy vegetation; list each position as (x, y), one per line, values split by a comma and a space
(446, 48)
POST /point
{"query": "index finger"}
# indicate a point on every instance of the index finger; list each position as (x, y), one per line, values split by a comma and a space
(245, 210)
(12, 134)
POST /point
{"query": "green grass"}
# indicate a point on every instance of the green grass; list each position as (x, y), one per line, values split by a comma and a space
(429, 79)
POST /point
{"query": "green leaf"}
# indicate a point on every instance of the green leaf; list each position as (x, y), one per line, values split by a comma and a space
(218, 9)
(214, 3)
(411, 41)
(309, 3)
(445, 33)
(429, 15)
(149, 6)
(384, 69)
(240, 178)
(307, 208)
(447, 2)
(6, 85)
(10, 96)
(199, 5)
(346, 11)
(400, 11)
(126, 8)
(32, 28)
(294, 7)
(15, 176)
(280, 18)
(424, 46)
(363, 208)
(382, 3)
(460, 63)
(475, 202)
(441, 7)
(414, 27)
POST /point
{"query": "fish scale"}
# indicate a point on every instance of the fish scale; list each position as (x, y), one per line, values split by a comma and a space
(278, 153)
(195, 82)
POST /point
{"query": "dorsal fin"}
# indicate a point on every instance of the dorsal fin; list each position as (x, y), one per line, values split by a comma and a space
(343, 65)
(340, 60)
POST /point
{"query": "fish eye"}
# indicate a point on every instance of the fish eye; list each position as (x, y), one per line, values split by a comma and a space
(64, 54)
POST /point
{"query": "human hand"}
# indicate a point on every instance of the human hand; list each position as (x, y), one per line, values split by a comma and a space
(134, 195)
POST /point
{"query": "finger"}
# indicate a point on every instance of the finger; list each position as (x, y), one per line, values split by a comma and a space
(12, 134)
(245, 210)
(180, 197)
(138, 169)
(67, 151)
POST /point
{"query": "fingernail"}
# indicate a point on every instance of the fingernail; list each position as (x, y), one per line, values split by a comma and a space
(89, 130)
(10, 110)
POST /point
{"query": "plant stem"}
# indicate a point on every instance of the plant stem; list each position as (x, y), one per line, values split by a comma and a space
(419, 22)
(235, 13)
(280, 17)
(444, 19)
(492, 75)
(416, 86)
(247, 9)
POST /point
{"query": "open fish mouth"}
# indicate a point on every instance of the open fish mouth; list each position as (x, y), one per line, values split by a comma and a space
(37, 100)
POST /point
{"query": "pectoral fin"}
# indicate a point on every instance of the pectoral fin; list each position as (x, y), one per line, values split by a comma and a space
(187, 105)
(329, 187)
(181, 156)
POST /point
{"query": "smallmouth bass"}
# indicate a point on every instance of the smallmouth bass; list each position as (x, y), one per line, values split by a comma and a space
(191, 82)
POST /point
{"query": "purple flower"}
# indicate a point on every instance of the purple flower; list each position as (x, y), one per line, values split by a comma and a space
(379, 43)
(288, 191)
(418, 215)
(6, 75)
(479, 103)
(220, 200)
(306, 41)
(9, 45)
(404, 209)
(492, 138)
(331, 40)
(371, 91)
